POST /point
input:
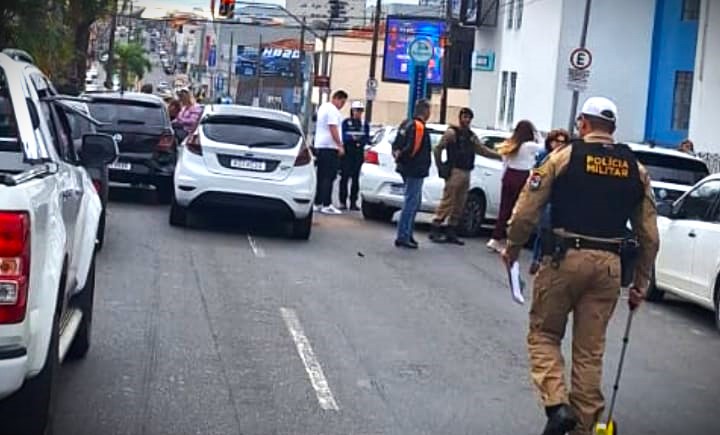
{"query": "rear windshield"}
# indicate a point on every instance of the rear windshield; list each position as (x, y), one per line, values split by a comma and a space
(128, 112)
(12, 158)
(8, 125)
(671, 169)
(251, 131)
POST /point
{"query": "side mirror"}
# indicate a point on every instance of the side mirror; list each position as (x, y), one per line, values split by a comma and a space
(98, 150)
(665, 208)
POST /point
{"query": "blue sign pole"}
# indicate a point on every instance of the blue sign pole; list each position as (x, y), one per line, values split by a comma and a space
(212, 57)
(420, 52)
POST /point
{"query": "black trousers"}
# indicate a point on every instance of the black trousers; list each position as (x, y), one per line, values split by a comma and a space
(327, 169)
(350, 173)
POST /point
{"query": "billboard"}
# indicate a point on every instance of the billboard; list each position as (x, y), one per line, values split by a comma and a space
(400, 31)
(275, 62)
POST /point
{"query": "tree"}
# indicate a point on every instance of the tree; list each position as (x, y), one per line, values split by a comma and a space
(81, 15)
(131, 62)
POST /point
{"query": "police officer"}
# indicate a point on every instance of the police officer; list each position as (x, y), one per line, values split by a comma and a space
(356, 134)
(461, 144)
(593, 187)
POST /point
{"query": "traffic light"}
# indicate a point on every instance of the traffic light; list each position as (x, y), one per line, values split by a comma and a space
(336, 9)
(227, 8)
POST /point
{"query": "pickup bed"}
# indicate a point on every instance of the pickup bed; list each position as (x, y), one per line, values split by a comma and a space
(49, 215)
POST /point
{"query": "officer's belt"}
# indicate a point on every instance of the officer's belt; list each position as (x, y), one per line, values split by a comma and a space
(581, 243)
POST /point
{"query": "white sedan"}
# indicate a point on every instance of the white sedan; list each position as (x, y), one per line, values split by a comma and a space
(688, 264)
(381, 188)
(246, 158)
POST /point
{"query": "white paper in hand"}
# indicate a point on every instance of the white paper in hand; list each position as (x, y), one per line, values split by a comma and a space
(516, 283)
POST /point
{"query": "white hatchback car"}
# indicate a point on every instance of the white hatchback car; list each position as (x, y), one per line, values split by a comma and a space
(381, 188)
(247, 158)
(672, 173)
(688, 263)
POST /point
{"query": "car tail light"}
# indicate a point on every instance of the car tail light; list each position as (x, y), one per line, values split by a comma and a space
(14, 265)
(304, 156)
(166, 142)
(193, 144)
(372, 157)
(98, 185)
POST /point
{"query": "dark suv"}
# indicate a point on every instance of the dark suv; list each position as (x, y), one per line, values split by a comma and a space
(141, 127)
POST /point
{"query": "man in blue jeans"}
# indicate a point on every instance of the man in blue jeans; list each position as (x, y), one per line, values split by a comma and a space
(411, 149)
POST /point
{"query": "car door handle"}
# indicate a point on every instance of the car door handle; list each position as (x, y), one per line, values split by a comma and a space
(692, 233)
(487, 173)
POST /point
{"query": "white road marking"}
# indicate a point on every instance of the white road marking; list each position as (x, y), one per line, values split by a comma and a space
(697, 332)
(257, 250)
(312, 366)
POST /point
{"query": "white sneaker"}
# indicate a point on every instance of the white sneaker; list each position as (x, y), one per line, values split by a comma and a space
(330, 209)
(316, 208)
(495, 245)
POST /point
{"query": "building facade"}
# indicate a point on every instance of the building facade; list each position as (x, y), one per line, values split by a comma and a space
(646, 55)
(353, 12)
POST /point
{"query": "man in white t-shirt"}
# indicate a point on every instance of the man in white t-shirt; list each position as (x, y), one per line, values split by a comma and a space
(329, 148)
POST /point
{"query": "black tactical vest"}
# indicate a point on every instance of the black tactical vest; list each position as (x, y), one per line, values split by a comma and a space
(461, 154)
(598, 192)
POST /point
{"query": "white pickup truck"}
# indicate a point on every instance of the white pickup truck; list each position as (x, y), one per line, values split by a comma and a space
(49, 214)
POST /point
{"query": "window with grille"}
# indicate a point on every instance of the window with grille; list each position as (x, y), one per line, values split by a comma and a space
(510, 13)
(506, 108)
(691, 10)
(682, 99)
(519, 13)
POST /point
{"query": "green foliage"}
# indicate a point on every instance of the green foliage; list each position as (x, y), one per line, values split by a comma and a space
(131, 62)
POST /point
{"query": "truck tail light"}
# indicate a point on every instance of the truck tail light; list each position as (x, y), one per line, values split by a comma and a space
(304, 157)
(372, 157)
(14, 265)
(165, 143)
(193, 144)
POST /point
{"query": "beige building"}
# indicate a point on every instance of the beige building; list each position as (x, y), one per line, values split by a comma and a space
(349, 67)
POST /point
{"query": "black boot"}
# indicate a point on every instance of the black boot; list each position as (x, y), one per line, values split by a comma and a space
(436, 233)
(561, 420)
(452, 236)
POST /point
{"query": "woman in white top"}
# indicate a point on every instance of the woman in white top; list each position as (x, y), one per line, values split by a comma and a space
(518, 155)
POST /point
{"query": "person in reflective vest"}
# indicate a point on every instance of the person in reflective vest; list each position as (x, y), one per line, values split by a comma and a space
(356, 135)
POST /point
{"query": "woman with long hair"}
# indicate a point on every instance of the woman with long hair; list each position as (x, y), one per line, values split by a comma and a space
(518, 154)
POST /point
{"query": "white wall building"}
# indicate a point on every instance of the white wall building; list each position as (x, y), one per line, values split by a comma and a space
(705, 108)
(353, 13)
(532, 44)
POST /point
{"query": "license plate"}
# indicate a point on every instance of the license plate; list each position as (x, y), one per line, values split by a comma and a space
(250, 165)
(121, 166)
(397, 189)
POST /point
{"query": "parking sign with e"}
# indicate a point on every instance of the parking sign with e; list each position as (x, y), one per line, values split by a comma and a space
(581, 58)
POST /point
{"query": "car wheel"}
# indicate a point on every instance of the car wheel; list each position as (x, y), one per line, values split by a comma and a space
(178, 214)
(301, 228)
(654, 294)
(164, 191)
(376, 212)
(84, 301)
(473, 215)
(29, 411)
(100, 238)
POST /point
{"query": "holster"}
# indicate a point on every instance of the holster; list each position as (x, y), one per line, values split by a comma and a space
(553, 246)
(629, 250)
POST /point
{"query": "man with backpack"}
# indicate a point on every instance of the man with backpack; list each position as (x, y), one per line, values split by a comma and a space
(461, 144)
(411, 150)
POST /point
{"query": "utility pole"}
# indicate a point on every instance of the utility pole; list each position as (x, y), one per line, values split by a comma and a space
(299, 71)
(230, 62)
(583, 41)
(258, 70)
(111, 49)
(446, 61)
(373, 57)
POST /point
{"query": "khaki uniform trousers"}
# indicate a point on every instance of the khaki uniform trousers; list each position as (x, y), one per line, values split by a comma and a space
(452, 204)
(586, 283)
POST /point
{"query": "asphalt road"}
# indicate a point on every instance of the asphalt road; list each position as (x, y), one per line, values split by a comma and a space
(197, 331)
